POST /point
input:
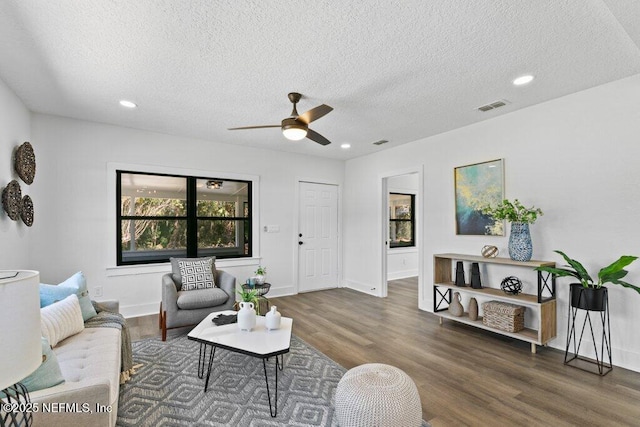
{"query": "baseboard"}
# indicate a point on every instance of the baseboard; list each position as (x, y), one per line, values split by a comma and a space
(281, 292)
(426, 305)
(402, 274)
(129, 311)
(361, 287)
(620, 358)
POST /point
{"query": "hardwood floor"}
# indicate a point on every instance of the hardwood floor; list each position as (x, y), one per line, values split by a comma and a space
(465, 376)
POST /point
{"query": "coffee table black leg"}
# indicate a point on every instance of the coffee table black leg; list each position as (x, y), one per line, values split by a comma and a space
(213, 353)
(281, 363)
(273, 410)
(202, 357)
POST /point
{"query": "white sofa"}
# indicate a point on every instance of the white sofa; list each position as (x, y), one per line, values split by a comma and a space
(90, 365)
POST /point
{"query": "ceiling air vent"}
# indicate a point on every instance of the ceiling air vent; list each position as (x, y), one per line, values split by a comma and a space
(493, 105)
(382, 141)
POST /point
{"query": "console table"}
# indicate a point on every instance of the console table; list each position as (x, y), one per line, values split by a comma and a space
(542, 304)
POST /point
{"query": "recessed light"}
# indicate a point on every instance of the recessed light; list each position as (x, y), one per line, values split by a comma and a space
(345, 146)
(523, 80)
(128, 104)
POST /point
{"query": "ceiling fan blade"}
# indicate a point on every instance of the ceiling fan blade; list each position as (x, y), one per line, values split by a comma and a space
(256, 127)
(315, 113)
(315, 136)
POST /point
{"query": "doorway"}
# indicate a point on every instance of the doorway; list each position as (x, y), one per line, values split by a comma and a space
(401, 229)
(317, 236)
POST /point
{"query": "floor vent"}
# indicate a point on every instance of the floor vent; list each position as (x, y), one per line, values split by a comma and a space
(493, 105)
(382, 141)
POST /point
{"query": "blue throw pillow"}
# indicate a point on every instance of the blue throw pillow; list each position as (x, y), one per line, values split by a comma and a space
(75, 284)
(48, 373)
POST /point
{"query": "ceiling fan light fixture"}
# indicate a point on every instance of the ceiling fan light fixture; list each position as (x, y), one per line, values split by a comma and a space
(296, 126)
(293, 130)
(294, 134)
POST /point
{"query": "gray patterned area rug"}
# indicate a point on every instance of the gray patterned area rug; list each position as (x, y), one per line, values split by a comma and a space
(166, 391)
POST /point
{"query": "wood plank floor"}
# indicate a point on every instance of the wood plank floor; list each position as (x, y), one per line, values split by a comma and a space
(465, 376)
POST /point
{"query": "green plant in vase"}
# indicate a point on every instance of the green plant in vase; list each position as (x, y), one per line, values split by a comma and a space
(589, 294)
(513, 212)
(260, 274)
(592, 296)
(520, 217)
(249, 295)
(613, 273)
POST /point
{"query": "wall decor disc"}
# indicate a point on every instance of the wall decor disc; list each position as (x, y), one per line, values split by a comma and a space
(25, 163)
(12, 200)
(27, 211)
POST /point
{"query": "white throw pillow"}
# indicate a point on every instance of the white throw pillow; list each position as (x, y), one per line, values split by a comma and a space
(61, 319)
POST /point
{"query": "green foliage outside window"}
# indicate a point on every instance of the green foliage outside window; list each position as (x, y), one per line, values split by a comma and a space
(162, 216)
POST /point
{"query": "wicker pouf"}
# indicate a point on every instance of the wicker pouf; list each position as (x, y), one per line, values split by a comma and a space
(377, 395)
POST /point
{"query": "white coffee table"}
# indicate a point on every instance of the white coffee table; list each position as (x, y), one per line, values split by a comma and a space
(259, 342)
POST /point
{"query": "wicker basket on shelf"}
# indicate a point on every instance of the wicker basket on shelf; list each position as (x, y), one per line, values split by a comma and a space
(503, 316)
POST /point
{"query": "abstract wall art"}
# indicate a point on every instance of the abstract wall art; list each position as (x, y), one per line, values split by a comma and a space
(476, 186)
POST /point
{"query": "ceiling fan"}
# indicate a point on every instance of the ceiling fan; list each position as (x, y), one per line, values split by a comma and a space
(296, 126)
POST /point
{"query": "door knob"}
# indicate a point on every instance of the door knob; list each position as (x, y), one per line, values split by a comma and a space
(300, 243)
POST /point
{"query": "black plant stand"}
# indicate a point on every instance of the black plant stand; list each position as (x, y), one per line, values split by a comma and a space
(600, 317)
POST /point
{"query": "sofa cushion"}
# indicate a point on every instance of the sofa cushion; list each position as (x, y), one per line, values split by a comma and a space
(201, 298)
(61, 319)
(76, 284)
(175, 268)
(48, 373)
(196, 274)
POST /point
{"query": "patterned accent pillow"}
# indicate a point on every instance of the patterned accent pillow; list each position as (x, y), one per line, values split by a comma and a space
(196, 274)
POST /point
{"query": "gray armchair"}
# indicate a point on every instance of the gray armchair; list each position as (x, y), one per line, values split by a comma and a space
(184, 308)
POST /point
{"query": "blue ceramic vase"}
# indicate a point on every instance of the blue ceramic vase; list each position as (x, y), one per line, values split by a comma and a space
(520, 246)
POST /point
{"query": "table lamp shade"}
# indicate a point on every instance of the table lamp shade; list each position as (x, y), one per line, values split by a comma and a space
(21, 350)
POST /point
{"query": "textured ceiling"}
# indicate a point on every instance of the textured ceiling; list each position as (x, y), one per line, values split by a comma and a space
(399, 71)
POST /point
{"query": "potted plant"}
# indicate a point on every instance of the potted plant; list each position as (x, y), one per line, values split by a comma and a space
(520, 217)
(260, 274)
(247, 295)
(589, 294)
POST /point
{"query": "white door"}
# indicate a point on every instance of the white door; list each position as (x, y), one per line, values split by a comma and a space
(317, 237)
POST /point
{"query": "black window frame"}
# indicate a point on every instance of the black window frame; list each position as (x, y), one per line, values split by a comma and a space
(411, 220)
(191, 218)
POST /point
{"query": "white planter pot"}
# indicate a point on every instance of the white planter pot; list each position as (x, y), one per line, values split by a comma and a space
(246, 316)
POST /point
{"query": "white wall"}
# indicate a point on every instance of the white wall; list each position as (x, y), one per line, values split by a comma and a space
(402, 262)
(75, 230)
(15, 128)
(575, 157)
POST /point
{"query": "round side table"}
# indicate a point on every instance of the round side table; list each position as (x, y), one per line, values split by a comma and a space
(262, 289)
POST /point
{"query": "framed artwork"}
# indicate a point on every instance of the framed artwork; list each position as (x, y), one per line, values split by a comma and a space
(476, 186)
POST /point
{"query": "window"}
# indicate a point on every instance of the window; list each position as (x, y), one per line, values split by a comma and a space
(401, 220)
(163, 216)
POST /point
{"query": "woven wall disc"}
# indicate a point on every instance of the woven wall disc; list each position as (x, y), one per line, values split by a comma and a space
(12, 200)
(489, 251)
(25, 163)
(27, 211)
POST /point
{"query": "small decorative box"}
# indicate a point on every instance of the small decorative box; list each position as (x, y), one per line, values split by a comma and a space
(503, 316)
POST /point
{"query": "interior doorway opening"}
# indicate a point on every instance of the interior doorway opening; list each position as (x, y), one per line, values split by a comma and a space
(402, 224)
